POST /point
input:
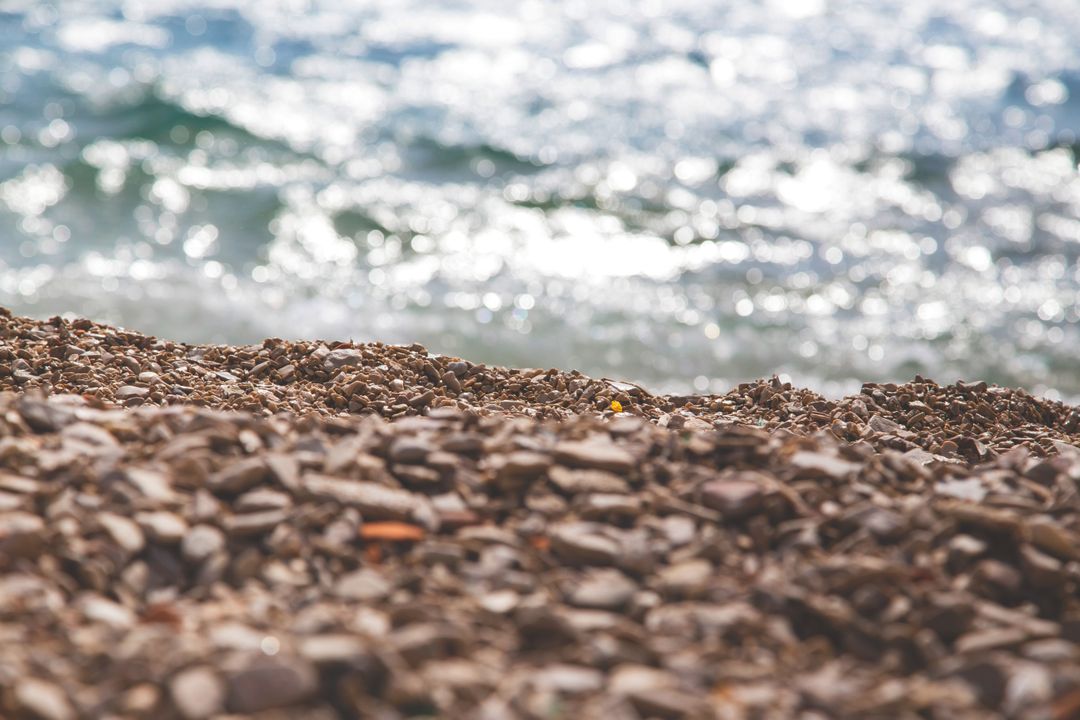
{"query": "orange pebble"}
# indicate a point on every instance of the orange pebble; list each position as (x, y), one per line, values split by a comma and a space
(395, 531)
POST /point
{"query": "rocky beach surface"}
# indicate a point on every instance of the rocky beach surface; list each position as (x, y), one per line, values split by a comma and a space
(338, 530)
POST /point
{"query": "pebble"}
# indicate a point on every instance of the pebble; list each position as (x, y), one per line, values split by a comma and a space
(371, 499)
(238, 476)
(126, 392)
(124, 531)
(595, 454)
(603, 589)
(42, 699)
(816, 464)
(201, 542)
(21, 535)
(735, 499)
(569, 679)
(341, 358)
(688, 579)
(197, 692)
(577, 544)
(409, 450)
(333, 649)
(163, 526)
(256, 523)
(573, 482)
(269, 683)
(365, 585)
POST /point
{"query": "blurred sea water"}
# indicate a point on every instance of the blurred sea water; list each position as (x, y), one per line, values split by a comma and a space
(687, 193)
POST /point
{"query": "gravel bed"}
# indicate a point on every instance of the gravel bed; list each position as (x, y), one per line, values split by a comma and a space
(248, 540)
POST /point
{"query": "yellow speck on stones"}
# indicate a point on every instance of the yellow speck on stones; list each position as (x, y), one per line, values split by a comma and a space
(616, 406)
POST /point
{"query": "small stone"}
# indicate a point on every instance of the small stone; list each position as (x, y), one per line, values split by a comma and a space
(949, 615)
(126, 392)
(42, 699)
(667, 703)
(162, 525)
(102, 610)
(982, 641)
(971, 489)
(124, 531)
(152, 483)
(680, 530)
(1041, 570)
(595, 454)
(499, 602)
(996, 580)
(423, 399)
(575, 543)
(342, 357)
(197, 692)
(42, 417)
(272, 683)
(333, 649)
(238, 476)
(1050, 537)
(21, 535)
(373, 500)
(420, 642)
(989, 519)
(573, 482)
(629, 677)
(1029, 686)
(365, 585)
(817, 464)
(524, 465)
(141, 699)
(884, 425)
(255, 523)
(568, 679)
(604, 590)
(201, 542)
(262, 499)
(607, 506)
(963, 550)
(410, 450)
(735, 499)
(687, 579)
(885, 525)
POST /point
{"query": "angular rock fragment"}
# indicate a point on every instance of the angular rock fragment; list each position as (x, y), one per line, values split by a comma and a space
(735, 499)
(238, 476)
(594, 454)
(579, 543)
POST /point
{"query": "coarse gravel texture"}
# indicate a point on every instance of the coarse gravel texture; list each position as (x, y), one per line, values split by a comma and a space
(239, 541)
(969, 421)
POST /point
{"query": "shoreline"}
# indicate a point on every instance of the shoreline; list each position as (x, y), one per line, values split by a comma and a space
(735, 556)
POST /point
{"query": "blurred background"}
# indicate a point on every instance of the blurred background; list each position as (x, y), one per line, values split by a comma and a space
(686, 194)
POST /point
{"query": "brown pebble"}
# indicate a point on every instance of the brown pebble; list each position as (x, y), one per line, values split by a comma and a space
(270, 683)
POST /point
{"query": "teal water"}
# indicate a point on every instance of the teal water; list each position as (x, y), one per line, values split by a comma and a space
(684, 194)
